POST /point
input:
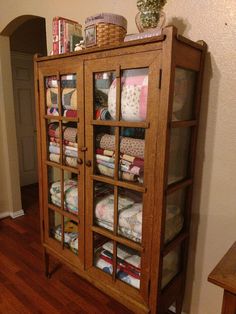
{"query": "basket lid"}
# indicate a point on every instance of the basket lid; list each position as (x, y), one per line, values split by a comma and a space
(106, 18)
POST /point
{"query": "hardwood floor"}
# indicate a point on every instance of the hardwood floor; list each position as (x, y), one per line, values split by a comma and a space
(23, 286)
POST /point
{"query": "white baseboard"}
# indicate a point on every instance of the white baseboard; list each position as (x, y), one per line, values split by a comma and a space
(4, 215)
(17, 214)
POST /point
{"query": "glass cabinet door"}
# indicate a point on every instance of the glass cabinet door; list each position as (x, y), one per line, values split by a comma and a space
(117, 125)
(61, 128)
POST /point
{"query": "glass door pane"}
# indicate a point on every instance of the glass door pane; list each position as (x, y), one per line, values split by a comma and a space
(131, 152)
(51, 96)
(104, 96)
(134, 94)
(69, 95)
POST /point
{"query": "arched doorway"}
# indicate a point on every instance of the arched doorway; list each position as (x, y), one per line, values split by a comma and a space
(26, 36)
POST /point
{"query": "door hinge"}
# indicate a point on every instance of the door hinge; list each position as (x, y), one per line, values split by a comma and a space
(38, 85)
(160, 78)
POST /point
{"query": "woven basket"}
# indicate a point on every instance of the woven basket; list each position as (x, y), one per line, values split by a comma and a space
(105, 29)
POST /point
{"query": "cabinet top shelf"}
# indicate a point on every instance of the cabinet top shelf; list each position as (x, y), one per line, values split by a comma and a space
(168, 32)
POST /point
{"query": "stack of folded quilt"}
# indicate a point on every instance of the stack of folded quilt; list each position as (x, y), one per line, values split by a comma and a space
(131, 157)
(129, 214)
(70, 235)
(70, 195)
(128, 263)
(70, 146)
(68, 96)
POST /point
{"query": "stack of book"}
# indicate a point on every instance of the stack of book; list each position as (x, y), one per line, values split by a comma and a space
(146, 34)
(66, 34)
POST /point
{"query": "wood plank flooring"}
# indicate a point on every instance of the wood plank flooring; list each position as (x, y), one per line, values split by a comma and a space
(23, 286)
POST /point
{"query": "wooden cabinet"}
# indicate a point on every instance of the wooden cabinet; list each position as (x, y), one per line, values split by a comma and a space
(117, 131)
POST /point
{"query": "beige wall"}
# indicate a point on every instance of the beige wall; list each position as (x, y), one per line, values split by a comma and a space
(214, 204)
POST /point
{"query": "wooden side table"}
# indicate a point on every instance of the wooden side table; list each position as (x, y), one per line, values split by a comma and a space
(224, 276)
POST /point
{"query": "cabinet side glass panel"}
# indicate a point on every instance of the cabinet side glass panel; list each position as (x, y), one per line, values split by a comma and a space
(175, 212)
(171, 266)
(184, 93)
(179, 154)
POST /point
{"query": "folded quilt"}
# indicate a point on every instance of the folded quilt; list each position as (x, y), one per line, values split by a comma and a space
(102, 113)
(67, 206)
(70, 194)
(54, 158)
(106, 171)
(67, 143)
(128, 145)
(108, 268)
(124, 232)
(52, 111)
(128, 263)
(52, 97)
(66, 81)
(53, 130)
(69, 98)
(70, 113)
(124, 165)
(70, 235)
(70, 161)
(134, 92)
(71, 152)
(104, 208)
(70, 134)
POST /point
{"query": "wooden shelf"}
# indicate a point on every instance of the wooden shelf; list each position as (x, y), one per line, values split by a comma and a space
(178, 185)
(132, 186)
(174, 243)
(183, 124)
(59, 166)
(127, 124)
(108, 234)
(64, 213)
(61, 118)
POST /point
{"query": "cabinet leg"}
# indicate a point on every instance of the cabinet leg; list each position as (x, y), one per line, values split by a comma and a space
(46, 264)
(179, 304)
